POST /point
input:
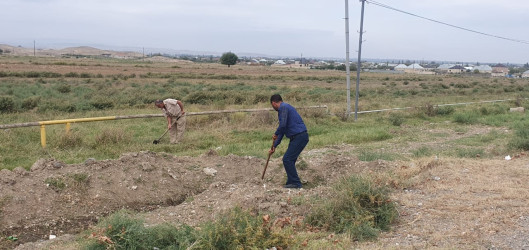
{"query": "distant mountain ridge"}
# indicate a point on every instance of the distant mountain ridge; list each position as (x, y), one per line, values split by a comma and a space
(80, 50)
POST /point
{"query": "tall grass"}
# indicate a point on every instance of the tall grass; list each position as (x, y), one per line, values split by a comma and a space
(356, 207)
(520, 139)
(238, 229)
(123, 230)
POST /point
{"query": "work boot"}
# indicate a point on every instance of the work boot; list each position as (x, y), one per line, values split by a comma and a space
(292, 186)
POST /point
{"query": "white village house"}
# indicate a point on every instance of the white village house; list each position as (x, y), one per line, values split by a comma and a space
(401, 67)
(525, 74)
(483, 69)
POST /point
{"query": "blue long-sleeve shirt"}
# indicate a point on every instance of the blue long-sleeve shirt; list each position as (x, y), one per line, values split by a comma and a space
(290, 123)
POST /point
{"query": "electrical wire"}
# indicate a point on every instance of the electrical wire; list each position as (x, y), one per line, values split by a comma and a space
(447, 24)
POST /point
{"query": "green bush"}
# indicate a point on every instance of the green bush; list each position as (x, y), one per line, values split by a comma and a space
(355, 207)
(466, 117)
(493, 110)
(64, 88)
(238, 229)
(445, 110)
(396, 119)
(123, 231)
(7, 104)
(235, 229)
(30, 102)
(520, 139)
(102, 104)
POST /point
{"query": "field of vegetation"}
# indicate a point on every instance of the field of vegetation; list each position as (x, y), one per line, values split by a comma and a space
(41, 89)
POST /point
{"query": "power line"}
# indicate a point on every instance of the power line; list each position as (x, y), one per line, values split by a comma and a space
(447, 24)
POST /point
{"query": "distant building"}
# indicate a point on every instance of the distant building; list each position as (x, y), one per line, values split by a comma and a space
(458, 69)
(499, 70)
(525, 74)
(401, 67)
(483, 69)
(445, 67)
(414, 68)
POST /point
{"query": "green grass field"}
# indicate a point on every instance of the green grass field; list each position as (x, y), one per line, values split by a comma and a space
(64, 90)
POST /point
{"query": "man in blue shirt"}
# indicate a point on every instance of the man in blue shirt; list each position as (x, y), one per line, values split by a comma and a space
(290, 125)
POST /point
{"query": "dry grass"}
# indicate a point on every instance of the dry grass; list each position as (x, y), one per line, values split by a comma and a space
(460, 203)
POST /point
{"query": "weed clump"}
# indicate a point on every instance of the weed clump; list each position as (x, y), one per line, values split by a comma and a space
(396, 119)
(70, 140)
(466, 117)
(238, 229)
(123, 231)
(235, 229)
(112, 136)
(521, 138)
(55, 183)
(356, 207)
(7, 104)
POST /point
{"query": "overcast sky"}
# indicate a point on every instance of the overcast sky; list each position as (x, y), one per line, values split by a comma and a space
(314, 28)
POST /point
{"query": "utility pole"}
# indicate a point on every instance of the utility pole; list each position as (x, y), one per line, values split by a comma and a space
(359, 64)
(34, 52)
(347, 66)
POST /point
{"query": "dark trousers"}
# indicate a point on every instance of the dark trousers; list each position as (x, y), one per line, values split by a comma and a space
(296, 145)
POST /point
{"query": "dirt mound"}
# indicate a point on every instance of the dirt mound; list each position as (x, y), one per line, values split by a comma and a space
(54, 197)
(445, 203)
(57, 198)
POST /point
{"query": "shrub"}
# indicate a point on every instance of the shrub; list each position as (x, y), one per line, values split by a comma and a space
(102, 104)
(396, 119)
(64, 88)
(355, 207)
(70, 140)
(30, 102)
(445, 110)
(466, 118)
(493, 110)
(238, 229)
(72, 74)
(111, 136)
(521, 137)
(7, 104)
(123, 231)
(429, 110)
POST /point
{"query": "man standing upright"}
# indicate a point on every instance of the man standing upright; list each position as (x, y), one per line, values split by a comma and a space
(290, 125)
(173, 110)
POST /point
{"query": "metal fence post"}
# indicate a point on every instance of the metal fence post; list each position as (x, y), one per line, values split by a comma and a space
(43, 136)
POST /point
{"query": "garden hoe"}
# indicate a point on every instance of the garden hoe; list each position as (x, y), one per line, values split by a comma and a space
(158, 141)
(267, 160)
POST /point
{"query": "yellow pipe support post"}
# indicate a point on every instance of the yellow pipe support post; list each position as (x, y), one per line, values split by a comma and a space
(68, 124)
(43, 136)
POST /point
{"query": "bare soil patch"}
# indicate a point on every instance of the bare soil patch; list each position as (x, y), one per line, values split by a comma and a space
(443, 203)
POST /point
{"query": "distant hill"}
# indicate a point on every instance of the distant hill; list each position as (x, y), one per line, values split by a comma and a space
(72, 51)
